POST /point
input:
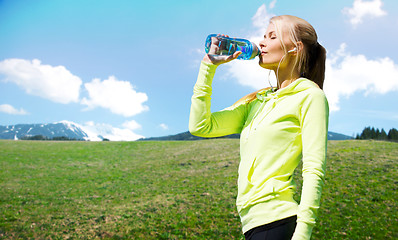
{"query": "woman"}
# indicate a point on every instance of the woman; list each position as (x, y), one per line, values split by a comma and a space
(278, 127)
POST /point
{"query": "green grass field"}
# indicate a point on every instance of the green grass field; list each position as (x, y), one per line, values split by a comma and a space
(176, 190)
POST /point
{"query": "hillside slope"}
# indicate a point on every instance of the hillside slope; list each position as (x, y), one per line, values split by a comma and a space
(188, 136)
(177, 190)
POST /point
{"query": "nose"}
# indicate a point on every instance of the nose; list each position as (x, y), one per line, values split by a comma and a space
(262, 43)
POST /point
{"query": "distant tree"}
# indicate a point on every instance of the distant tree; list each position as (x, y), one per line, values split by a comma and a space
(358, 136)
(61, 138)
(382, 135)
(375, 133)
(392, 134)
(65, 138)
(35, 137)
(366, 133)
(44, 138)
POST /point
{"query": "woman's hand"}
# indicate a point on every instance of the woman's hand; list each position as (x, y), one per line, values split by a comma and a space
(214, 58)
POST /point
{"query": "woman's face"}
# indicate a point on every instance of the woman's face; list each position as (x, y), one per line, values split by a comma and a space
(271, 48)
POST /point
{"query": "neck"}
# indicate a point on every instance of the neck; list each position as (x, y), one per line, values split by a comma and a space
(286, 75)
(285, 81)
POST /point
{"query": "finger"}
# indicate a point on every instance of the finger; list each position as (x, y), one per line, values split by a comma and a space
(233, 56)
(236, 54)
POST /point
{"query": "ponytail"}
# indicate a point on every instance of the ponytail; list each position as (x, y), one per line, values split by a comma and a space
(314, 68)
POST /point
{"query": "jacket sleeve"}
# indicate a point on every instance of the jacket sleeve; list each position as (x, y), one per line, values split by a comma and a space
(314, 129)
(202, 122)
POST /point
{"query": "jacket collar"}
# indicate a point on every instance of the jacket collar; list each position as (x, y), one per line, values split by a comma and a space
(298, 85)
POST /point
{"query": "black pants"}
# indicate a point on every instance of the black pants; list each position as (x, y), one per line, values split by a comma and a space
(279, 230)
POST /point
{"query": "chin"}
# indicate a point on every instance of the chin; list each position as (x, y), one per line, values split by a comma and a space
(264, 65)
(268, 65)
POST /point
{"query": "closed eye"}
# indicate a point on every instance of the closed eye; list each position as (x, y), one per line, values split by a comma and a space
(271, 35)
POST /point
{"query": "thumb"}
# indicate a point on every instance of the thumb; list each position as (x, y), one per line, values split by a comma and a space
(234, 56)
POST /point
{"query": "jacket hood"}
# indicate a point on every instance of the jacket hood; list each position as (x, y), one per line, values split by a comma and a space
(298, 85)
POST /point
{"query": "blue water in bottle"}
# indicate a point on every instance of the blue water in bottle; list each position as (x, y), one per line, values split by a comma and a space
(227, 46)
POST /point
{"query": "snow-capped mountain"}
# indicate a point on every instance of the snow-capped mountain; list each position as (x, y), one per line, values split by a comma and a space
(50, 130)
(70, 130)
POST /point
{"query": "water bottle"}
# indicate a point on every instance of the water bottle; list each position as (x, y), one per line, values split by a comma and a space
(227, 46)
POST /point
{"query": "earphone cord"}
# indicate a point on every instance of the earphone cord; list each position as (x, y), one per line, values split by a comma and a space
(277, 70)
(269, 82)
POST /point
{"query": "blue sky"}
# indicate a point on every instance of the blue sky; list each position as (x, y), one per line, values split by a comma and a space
(126, 69)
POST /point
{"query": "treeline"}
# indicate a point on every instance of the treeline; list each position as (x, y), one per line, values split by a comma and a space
(375, 133)
(44, 138)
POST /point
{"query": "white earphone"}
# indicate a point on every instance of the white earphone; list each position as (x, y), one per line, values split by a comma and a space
(293, 50)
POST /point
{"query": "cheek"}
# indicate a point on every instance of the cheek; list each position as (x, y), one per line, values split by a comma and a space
(271, 60)
(276, 49)
(272, 56)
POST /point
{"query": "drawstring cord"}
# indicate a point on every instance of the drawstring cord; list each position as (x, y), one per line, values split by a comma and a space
(264, 101)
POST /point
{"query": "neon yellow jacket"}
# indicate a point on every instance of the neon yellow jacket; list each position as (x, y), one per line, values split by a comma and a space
(278, 129)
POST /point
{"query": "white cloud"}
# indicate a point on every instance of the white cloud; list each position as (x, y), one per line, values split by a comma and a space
(261, 18)
(272, 4)
(163, 126)
(117, 96)
(7, 108)
(54, 83)
(347, 74)
(108, 131)
(132, 125)
(362, 9)
(249, 73)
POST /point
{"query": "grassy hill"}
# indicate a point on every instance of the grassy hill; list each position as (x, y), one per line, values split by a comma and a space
(176, 190)
(188, 136)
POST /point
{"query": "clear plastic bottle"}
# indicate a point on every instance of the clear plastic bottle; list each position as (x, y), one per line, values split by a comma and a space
(227, 46)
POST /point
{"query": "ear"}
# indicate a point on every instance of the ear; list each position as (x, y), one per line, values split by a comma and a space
(297, 49)
(300, 46)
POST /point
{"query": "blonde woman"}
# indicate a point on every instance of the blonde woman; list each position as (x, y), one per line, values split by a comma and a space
(279, 127)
